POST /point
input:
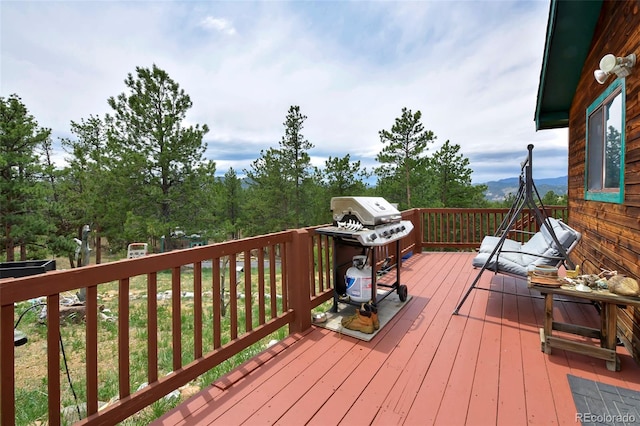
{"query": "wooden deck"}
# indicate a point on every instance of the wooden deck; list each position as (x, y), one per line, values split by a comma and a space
(426, 366)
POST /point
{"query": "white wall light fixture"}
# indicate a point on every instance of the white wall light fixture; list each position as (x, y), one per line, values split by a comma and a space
(610, 64)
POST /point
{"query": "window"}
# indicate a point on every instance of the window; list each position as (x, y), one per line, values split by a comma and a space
(604, 180)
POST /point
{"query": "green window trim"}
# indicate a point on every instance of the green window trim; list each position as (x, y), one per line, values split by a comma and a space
(607, 195)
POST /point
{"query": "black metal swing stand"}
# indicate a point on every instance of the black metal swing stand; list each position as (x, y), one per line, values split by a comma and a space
(527, 197)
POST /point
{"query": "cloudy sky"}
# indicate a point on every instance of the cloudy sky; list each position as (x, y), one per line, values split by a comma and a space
(471, 67)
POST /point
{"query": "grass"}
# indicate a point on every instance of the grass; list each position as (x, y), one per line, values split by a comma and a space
(31, 382)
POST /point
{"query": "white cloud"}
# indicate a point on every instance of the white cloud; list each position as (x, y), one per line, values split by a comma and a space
(219, 24)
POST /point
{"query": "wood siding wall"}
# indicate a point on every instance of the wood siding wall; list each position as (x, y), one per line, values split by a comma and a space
(611, 232)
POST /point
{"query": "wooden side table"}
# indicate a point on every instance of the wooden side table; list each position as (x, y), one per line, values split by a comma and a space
(608, 323)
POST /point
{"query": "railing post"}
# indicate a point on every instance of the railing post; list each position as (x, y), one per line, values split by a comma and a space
(7, 368)
(415, 215)
(418, 230)
(299, 285)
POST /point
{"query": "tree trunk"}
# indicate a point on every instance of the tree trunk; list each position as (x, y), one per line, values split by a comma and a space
(9, 246)
(407, 183)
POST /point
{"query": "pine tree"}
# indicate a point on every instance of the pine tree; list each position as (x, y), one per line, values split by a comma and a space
(451, 175)
(154, 153)
(22, 192)
(281, 181)
(294, 152)
(403, 156)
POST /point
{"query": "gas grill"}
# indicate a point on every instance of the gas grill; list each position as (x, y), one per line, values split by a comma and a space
(367, 226)
(369, 221)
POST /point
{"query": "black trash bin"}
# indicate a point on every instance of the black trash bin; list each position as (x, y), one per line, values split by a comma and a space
(26, 268)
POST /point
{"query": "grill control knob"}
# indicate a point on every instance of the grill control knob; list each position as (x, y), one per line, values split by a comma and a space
(373, 237)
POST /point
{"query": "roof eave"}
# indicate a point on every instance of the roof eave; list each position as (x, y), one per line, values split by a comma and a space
(570, 30)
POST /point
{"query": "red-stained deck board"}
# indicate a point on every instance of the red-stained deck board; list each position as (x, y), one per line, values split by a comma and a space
(360, 380)
(449, 333)
(367, 406)
(557, 367)
(204, 399)
(537, 387)
(484, 392)
(425, 337)
(294, 368)
(414, 308)
(363, 356)
(403, 393)
(342, 378)
(350, 378)
(511, 400)
(298, 392)
(426, 366)
(221, 403)
(457, 395)
(410, 376)
(301, 410)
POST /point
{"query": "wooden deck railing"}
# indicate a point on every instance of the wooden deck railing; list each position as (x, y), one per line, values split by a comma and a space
(286, 275)
(465, 228)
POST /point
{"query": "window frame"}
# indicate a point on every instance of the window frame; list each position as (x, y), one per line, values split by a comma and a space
(607, 196)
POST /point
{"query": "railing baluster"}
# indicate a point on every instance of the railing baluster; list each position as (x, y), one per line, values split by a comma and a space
(53, 357)
(217, 302)
(152, 326)
(248, 298)
(123, 338)
(261, 294)
(91, 318)
(471, 223)
(445, 227)
(455, 224)
(272, 281)
(426, 229)
(176, 317)
(284, 277)
(319, 273)
(328, 259)
(197, 310)
(433, 227)
(233, 297)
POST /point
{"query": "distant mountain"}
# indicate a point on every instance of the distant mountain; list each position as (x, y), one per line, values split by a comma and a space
(498, 190)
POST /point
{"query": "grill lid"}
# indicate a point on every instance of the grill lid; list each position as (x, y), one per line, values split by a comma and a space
(369, 211)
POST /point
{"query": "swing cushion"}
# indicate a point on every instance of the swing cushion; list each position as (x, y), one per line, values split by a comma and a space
(518, 259)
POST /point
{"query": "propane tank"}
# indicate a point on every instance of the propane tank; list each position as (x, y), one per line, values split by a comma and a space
(358, 280)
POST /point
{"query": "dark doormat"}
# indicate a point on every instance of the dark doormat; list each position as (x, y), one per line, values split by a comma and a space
(601, 404)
